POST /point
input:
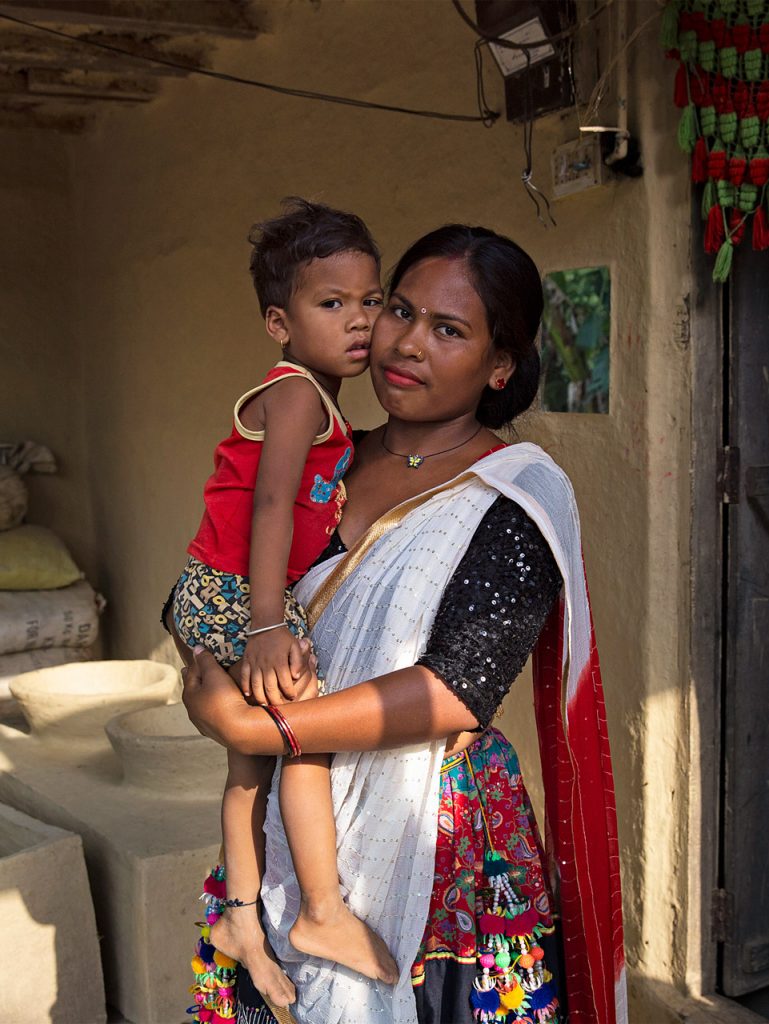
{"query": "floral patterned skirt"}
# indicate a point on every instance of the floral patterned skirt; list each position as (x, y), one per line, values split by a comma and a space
(490, 950)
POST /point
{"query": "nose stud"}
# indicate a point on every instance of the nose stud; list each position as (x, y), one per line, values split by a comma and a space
(420, 355)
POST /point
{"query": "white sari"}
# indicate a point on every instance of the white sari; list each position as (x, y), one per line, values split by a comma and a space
(375, 608)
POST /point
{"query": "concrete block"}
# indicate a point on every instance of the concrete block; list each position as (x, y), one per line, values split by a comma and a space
(49, 927)
(147, 850)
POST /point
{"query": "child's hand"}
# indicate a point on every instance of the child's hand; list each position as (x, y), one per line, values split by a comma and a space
(265, 671)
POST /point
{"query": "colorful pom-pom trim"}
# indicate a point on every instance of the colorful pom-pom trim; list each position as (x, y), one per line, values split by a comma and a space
(214, 987)
(512, 983)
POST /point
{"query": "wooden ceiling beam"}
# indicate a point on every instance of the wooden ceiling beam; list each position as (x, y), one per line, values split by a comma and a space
(31, 86)
(31, 50)
(40, 117)
(95, 85)
(104, 64)
(173, 17)
(50, 81)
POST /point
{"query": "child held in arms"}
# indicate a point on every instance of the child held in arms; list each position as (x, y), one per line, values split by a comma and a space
(271, 505)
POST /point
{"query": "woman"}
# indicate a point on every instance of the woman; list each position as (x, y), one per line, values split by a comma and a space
(444, 573)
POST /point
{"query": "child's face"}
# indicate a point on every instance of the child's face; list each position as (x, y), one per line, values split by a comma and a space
(330, 315)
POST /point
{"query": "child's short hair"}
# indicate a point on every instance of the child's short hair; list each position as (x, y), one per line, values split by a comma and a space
(304, 231)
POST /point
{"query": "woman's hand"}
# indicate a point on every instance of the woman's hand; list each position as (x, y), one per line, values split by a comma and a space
(211, 697)
(214, 703)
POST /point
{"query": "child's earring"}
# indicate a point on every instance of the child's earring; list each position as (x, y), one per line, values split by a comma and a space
(284, 342)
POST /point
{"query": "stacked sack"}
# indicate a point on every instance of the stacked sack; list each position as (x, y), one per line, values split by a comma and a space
(48, 612)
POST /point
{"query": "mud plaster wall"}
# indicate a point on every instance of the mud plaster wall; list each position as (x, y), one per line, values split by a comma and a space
(164, 196)
(41, 375)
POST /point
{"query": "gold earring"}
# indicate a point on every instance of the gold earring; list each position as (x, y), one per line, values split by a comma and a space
(284, 342)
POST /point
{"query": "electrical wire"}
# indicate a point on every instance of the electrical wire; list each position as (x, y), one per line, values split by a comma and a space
(534, 193)
(485, 115)
(596, 96)
(489, 116)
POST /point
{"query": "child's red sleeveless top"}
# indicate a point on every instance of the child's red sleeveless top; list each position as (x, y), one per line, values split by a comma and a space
(223, 540)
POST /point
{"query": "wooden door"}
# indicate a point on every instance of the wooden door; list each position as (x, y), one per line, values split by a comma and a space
(744, 861)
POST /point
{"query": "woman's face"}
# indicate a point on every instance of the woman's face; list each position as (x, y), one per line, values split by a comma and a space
(431, 350)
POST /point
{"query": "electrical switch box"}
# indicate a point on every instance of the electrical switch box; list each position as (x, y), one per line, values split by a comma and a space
(577, 165)
(544, 83)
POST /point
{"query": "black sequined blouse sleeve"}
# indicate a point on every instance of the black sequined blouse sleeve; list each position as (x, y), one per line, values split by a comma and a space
(493, 609)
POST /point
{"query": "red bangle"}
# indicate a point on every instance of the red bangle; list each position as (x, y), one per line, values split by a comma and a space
(288, 734)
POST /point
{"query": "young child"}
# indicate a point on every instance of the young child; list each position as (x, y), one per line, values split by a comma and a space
(273, 501)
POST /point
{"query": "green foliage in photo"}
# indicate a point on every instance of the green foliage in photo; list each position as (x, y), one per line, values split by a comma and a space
(576, 326)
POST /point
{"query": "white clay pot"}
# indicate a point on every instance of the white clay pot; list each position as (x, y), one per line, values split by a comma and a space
(160, 749)
(75, 702)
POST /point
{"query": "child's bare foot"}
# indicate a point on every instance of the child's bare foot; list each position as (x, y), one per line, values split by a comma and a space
(337, 934)
(239, 935)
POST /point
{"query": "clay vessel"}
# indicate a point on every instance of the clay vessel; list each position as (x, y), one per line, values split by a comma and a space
(73, 703)
(160, 749)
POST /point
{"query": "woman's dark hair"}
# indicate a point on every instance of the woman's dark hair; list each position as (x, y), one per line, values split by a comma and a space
(304, 231)
(509, 286)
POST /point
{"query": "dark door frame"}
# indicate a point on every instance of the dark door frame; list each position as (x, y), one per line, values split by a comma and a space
(708, 917)
(704, 698)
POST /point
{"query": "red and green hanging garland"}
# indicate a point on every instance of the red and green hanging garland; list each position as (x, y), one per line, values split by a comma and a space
(722, 86)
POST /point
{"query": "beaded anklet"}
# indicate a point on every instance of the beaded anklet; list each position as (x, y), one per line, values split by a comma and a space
(237, 903)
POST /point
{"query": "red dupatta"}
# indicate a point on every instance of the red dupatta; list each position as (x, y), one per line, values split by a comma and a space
(581, 827)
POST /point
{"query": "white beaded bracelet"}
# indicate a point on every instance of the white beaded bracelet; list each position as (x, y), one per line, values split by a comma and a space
(265, 629)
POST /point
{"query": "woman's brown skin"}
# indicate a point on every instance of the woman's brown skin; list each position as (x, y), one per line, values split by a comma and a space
(429, 370)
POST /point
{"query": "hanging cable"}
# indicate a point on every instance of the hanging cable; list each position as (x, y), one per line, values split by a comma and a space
(488, 115)
(485, 116)
(528, 138)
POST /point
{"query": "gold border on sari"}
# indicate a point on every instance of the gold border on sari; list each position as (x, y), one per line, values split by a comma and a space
(350, 562)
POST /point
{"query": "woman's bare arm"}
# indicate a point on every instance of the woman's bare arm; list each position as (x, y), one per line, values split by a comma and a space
(409, 706)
